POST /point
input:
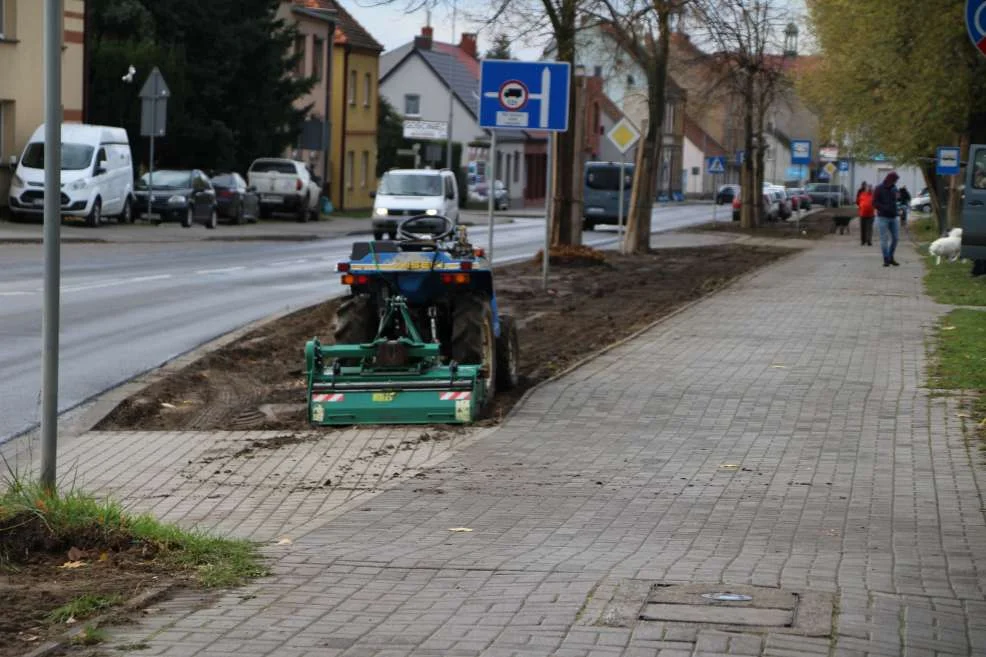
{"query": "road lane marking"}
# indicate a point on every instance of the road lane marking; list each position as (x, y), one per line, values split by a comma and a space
(15, 294)
(219, 271)
(143, 279)
(286, 262)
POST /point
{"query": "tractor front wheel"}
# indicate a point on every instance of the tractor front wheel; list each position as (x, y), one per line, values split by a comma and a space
(507, 355)
(473, 340)
(355, 322)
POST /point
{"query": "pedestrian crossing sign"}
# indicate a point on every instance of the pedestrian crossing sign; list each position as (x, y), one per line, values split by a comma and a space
(715, 165)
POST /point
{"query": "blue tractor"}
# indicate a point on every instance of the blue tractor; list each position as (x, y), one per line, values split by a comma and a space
(419, 339)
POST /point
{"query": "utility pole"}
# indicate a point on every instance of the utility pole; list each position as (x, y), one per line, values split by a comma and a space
(451, 105)
(52, 240)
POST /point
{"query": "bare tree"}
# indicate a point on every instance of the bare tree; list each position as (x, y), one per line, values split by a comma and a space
(748, 58)
(642, 28)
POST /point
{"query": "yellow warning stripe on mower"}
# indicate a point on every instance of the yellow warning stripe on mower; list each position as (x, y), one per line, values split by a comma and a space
(416, 265)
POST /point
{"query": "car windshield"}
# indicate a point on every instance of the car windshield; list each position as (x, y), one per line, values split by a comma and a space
(225, 180)
(607, 178)
(75, 157)
(410, 184)
(167, 180)
(818, 187)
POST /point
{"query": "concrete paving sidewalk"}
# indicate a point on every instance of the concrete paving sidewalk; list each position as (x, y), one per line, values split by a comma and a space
(277, 229)
(774, 440)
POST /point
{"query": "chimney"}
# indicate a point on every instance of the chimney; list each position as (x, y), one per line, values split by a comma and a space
(468, 44)
(423, 42)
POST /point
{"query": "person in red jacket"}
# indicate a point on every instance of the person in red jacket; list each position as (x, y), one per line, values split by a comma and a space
(867, 213)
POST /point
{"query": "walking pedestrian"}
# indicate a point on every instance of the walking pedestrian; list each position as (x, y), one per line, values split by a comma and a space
(885, 203)
(867, 213)
(905, 204)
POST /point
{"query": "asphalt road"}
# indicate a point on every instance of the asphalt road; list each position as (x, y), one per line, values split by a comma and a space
(128, 308)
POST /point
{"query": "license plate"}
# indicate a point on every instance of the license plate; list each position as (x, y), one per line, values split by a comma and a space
(38, 202)
(384, 397)
(594, 210)
(150, 215)
(268, 198)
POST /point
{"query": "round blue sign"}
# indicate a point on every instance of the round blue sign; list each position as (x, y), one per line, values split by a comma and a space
(975, 21)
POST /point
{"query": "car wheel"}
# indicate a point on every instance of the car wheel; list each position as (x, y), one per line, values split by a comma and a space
(265, 213)
(188, 219)
(127, 216)
(213, 220)
(377, 236)
(926, 207)
(95, 216)
(588, 225)
(392, 236)
(238, 217)
(303, 212)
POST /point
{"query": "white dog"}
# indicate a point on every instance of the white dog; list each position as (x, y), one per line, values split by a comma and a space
(947, 247)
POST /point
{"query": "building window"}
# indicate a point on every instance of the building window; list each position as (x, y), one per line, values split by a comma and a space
(352, 88)
(364, 169)
(517, 167)
(597, 71)
(300, 44)
(318, 55)
(412, 105)
(367, 89)
(350, 169)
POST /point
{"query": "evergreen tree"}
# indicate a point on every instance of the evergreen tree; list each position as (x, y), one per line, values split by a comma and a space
(500, 48)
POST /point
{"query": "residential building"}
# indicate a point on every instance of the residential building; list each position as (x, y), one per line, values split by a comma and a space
(22, 75)
(421, 78)
(355, 106)
(315, 21)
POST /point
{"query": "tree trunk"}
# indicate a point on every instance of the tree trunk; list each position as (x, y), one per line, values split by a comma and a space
(954, 194)
(751, 200)
(759, 167)
(641, 186)
(562, 216)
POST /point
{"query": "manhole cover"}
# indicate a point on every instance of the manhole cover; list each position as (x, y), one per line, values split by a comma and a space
(685, 613)
(727, 597)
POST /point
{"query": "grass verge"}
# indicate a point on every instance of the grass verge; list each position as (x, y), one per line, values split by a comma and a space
(948, 282)
(35, 520)
(86, 605)
(961, 355)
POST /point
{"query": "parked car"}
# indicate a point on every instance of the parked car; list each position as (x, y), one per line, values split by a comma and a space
(800, 198)
(779, 195)
(285, 186)
(726, 194)
(235, 199)
(828, 194)
(97, 175)
(768, 209)
(177, 195)
(404, 193)
(502, 199)
(921, 202)
(601, 193)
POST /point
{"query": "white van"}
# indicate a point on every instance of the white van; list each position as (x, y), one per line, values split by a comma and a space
(404, 193)
(97, 175)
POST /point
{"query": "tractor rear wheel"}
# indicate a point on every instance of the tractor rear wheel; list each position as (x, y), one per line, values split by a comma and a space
(507, 355)
(355, 322)
(473, 340)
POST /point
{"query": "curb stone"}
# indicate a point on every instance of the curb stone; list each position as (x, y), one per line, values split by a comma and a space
(135, 603)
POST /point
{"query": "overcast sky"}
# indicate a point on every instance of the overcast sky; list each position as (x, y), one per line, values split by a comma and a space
(389, 23)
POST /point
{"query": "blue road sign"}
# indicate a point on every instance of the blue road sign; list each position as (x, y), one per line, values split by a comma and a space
(519, 95)
(843, 165)
(823, 175)
(948, 161)
(800, 151)
(715, 164)
(975, 22)
(740, 157)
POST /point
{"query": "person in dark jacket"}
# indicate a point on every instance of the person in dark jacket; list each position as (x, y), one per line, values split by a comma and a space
(904, 197)
(885, 203)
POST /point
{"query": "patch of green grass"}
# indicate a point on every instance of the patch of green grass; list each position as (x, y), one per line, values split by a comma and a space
(951, 282)
(924, 228)
(84, 606)
(960, 362)
(90, 636)
(72, 517)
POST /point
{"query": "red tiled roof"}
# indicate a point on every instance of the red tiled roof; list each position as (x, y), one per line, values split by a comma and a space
(348, 29)
(465, 58)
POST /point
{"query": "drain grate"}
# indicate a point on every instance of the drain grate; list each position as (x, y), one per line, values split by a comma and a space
(626, 603)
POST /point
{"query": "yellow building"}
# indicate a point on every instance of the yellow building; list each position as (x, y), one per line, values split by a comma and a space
(22, 74)
(355, 91)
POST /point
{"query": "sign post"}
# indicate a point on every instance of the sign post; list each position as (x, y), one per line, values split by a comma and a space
(975, 22)
(526, 95)
(948, 161)
(153, 120)
(623, 135)
(715, 165)
(491, 191)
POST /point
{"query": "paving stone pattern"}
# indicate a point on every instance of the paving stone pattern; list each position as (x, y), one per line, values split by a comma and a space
(775, 435)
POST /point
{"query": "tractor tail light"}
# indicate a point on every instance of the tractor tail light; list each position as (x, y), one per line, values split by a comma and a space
(350, 279)
(342, 266)
(466, 266)
(455, 279)
(479, 252)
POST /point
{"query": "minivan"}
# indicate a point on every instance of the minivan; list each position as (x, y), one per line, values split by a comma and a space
(97, 175)
(601, 194)
(404, 193)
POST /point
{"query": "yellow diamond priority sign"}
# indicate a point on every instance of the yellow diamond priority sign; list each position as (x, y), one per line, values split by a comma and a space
(624, 135)
(829, 168)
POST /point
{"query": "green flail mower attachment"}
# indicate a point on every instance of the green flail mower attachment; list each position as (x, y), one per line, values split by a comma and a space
(398, 381)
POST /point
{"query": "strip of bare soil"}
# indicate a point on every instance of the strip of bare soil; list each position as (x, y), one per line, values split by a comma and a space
(814, 226)
(258, 382)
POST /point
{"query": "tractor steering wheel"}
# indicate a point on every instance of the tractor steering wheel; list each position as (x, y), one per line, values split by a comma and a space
(440, 227)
